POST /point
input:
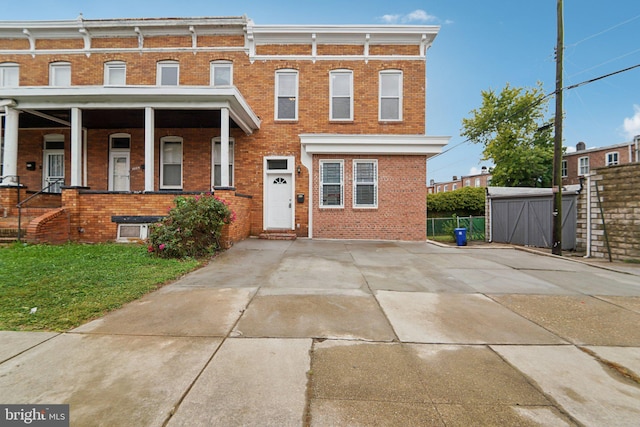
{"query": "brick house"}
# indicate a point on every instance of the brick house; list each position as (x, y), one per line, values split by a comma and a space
(482, 179)
(312, 131)
(582, 161)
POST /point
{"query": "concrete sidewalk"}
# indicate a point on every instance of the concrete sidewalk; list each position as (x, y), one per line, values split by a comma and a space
(350, 333)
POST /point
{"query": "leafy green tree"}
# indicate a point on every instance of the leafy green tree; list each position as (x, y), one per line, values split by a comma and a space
(511, 127)
(462, 202)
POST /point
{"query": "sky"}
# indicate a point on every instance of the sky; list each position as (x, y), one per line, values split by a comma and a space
(482, 45)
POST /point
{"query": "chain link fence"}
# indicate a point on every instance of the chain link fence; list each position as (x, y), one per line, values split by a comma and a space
(442, 228)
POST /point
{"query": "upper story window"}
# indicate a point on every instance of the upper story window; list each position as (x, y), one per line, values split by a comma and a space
(60, 74)
(439, 189)
(115, 73)
(467, 183)
(454, 187)
(583, 166)
(331, 183)
(9, 74)
(168, 73)
(341, 94)
(446, 188)
(612, 158)
(171, 162)
(221, 73)
(286, 95)
(477, 183)
(565, 169)
(390, 105)
(365, 183)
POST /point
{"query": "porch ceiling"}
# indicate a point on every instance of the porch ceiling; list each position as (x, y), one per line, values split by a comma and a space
(126, 118)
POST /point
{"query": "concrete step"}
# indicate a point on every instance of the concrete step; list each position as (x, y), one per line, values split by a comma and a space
(278, 236)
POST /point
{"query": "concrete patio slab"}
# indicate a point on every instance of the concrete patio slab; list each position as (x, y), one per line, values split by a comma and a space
(315, 316)
(626, 357)
(335, 250)
(524, 260)
(14, 343)
(250, 382)
(310, 272)
(372, 413)
(460, 260)
(590, 393)
(598, 282)
(458, 319)
(107, 380)
(493, 415)
(580, 319)
(413, 279)
(176, 311)
(630, 303)
(501, 281)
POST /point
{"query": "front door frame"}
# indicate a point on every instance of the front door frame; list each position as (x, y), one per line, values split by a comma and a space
(289, 171)
(46, 152)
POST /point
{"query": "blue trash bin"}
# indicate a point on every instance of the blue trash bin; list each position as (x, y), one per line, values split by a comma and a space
(461, 236)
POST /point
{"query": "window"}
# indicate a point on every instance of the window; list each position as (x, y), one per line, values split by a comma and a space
(115, 73)
(171, 162)
(446, 188)
(9, 74)
(217, 168)
(439, 189)
(454, 187)
(390, 105)
(477, 183)
(467, 183)
(221, 73)
(583, 166)
(331, 183)
(565, 169)
(341, 94)
(286, 95)
(612, 158)
(168, 73)
(365, 183)
(59, 74)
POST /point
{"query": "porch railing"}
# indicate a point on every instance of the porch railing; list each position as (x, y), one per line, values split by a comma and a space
(20, 203)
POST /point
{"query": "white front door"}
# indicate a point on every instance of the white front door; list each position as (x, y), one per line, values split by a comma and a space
(53, 170)
(279, 203)
(119, 171)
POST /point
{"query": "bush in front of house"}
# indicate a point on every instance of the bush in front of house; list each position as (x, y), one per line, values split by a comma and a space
(462, 202)
(192, 228)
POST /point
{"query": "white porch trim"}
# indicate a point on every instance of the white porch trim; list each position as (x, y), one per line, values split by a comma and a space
(10, 161)
(149, 137)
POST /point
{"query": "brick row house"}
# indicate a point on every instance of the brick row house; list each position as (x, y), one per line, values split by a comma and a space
(313, 131)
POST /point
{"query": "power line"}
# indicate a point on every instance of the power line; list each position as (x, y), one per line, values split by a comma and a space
(542, 98)
(604, 31)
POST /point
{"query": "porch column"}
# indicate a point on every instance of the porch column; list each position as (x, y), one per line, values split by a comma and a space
(76, 147)
(149, 136)
(10, 162)
(224, 147)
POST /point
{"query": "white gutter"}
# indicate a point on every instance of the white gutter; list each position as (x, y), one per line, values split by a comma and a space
(588, 254)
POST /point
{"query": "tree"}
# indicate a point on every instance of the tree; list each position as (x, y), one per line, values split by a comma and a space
(513, 130)
(463, 201)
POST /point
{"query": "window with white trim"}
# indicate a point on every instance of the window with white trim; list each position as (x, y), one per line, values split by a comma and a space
(477, 183)
(286, 95)
(454, 187)
(446, 188)
(168, 73)
(115, 73)
(171, 163)
(467, 183)
(612, 159)
(439, 189)
(221, 73)
(365, 183)
(341, 95)
(390, 102)
(217, 168)
(564, 169)
(583, 166)
(9, 74)
(60, 74)
(332, 183)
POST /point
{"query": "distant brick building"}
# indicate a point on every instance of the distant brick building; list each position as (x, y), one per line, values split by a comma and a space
(583, 160)
(315, 131)
(482, 179)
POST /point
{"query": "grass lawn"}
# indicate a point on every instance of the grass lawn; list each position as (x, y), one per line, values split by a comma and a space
(60, 287)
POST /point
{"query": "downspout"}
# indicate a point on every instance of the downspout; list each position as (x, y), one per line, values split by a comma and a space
(588, 195)
(307, 161)
(636, 139)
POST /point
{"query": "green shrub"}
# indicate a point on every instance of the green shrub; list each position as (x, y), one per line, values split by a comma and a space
(192, 228)
(463, 202)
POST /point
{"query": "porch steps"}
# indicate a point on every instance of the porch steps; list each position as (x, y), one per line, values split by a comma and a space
(278, 235)
(9, 223)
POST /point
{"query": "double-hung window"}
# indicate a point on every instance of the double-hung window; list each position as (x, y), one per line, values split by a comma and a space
(341, 94)
(583, 166)
(171, 163)
(286, 95)
(221, 73)
(365, 183)
(168, 73)
(564, 169)
(332, 183)
(217, 165)
(9, 74)
(612, 159)
(60, 74)
(390, 103)
(115, 73)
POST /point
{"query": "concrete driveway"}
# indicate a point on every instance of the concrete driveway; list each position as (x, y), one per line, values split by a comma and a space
(350, 333)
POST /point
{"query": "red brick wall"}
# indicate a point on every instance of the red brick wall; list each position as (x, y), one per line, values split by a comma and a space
(597, 159)
(401, 212)
(53, 227)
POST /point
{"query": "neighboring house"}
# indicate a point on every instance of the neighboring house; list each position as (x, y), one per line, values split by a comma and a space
(483, 179)
(307, 130)
(583, 160)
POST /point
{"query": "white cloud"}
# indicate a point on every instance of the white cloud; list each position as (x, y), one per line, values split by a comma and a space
(631, 125)
(570, 149)
(474, 171)
(417, 15)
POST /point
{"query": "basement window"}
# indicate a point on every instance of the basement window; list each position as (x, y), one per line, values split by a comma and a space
(132, 232)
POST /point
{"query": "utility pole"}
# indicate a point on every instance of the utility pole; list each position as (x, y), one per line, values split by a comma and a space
(556, 249)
